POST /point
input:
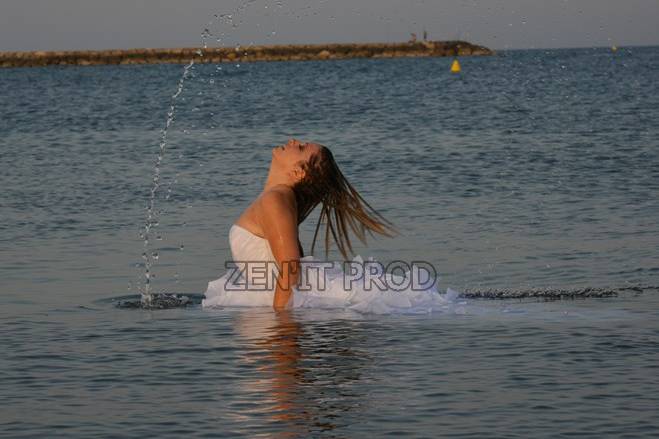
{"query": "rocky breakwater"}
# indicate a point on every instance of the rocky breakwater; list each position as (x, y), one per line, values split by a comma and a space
(309, 52)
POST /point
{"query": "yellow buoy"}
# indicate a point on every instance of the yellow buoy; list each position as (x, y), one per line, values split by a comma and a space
(455, 67)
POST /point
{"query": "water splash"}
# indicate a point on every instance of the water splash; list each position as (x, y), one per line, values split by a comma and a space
(159, 301)
(152, 220)
(152, 214)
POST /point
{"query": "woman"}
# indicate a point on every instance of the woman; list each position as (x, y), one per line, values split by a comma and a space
(301, 176)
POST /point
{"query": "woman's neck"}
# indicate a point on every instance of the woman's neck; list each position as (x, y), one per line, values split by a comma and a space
(276, 178)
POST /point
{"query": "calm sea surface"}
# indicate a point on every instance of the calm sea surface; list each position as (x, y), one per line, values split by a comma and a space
(532, 169)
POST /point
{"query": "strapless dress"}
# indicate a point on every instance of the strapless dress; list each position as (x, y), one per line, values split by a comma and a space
(252, 282)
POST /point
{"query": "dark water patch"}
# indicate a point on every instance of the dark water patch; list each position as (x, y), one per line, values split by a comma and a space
(159, 301)
(551, 293)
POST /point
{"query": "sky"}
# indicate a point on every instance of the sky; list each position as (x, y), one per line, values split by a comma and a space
(498, 24)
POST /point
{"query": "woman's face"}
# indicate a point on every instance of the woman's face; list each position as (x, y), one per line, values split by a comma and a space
(294, 152)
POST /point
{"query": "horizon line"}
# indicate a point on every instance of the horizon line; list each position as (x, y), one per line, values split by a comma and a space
(498, 49)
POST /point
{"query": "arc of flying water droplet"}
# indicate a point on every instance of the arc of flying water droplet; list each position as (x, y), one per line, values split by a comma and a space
(152, 215)
(152, 220)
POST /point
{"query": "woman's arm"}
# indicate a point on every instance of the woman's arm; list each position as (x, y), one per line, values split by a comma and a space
(278, 219)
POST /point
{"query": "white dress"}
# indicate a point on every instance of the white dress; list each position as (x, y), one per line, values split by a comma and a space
(321, 284)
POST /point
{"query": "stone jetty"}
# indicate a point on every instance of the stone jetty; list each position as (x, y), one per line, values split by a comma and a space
(308, 52)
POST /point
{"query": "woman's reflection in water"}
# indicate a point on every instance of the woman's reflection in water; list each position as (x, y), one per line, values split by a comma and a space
(309, 372)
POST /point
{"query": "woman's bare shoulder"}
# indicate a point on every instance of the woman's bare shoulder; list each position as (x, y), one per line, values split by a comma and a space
(276, 211)
(277, 197)
(278, 202)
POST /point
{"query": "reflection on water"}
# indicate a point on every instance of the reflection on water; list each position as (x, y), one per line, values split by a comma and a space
(516, 369)
(306, 370)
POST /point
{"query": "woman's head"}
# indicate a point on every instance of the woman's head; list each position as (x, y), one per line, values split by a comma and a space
(320, 181)
(291, 157)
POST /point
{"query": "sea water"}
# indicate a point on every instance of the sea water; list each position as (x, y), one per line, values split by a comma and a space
(531, 169)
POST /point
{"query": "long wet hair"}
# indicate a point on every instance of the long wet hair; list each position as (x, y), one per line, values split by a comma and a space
(343, 209)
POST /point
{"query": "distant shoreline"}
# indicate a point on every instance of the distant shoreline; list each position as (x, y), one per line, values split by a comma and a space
(307, 52)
